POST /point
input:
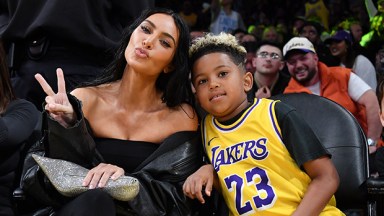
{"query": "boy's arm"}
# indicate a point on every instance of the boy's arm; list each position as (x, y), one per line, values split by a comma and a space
(313, 158)
(325, 181)
(203, 177)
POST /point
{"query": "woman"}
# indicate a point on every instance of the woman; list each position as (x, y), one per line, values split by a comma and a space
(340, 46)
(18, 118)
(135, 120)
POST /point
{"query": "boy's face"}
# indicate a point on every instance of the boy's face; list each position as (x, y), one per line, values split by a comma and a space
(220, 85)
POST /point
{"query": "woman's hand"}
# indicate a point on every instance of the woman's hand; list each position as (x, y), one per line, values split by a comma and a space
(99, 176)
(58, 105)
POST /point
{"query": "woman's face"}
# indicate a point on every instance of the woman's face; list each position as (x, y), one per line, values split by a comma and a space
(153, 44)
(357, 32)
(338, 48)
(311, 33)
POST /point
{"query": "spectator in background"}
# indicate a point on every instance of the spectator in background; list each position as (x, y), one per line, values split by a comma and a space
(282, 30)
(248, 38)
(224, 19)
(339, 84)
(297, 24)
(250, 47)
(76, 35)
(316, 9)
(271, 34)
(340, 46)
(203, 17)
(356, 30)
(239, 34)
(374, 39)
(268, 77)
(257, 31)
(18, 119)
(379, 65)
(188, 15)
(312, 31)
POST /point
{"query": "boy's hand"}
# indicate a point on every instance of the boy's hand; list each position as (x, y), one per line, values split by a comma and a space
(203, 177)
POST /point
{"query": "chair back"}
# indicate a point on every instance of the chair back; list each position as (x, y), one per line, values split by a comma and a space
(22, 205)
(342, 136)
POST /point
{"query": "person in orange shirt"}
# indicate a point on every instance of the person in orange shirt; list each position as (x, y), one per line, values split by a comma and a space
(339, 84)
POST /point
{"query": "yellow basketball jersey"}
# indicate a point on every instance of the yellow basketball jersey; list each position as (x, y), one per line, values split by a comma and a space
(257, 174)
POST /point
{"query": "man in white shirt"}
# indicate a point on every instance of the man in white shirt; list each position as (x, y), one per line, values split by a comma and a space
(335, 83)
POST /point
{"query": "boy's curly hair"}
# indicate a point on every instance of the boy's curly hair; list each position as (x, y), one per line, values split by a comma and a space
(221, 43)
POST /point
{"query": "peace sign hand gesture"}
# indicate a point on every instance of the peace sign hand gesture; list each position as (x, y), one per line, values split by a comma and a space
(58, 105)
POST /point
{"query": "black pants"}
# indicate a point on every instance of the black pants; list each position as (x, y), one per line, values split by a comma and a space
(93, 202)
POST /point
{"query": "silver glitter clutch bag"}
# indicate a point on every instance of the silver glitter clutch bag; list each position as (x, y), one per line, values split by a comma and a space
(67, 178)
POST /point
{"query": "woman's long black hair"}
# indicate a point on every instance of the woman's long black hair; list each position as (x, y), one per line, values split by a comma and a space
(175, 85)
(6, 91)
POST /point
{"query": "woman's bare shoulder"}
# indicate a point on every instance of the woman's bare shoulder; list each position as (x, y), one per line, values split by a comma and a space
(86, 94)
(89, 97)
(187, 117)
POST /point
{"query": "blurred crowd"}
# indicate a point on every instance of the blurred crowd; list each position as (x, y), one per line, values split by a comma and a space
(280, 20)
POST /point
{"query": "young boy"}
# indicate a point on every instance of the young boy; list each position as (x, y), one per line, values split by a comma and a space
(267, 159)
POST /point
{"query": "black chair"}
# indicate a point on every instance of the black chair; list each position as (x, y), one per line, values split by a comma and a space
(343, 137)
(22, 205)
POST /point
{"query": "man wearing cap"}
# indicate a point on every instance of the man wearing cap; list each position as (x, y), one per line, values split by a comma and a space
(339, 84)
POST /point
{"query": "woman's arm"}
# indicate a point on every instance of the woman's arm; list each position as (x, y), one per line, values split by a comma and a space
(74, 143)
(17, 123)
(69, 138)
(162, 176)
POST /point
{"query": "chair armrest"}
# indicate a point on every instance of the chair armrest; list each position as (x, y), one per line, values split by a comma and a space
(375, 185)
(18, 194)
